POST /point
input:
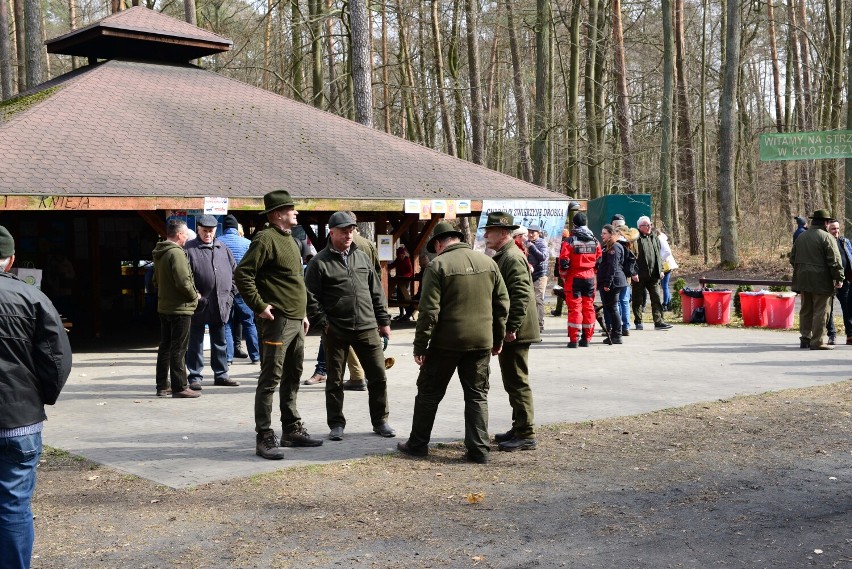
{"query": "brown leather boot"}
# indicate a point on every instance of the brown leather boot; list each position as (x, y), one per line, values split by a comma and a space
(267, 446)
(186, 394)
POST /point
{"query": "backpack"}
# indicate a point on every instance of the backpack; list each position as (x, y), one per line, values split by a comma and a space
(628, 263)
(698, 316)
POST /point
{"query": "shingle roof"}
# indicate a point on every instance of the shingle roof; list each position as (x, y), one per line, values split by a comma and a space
(140, 33)
(148, 129)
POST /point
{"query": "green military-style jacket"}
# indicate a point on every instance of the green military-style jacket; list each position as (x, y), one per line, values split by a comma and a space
(523, 318)
(176, 292)
(816, 262)
(463, 303)
(349, 295)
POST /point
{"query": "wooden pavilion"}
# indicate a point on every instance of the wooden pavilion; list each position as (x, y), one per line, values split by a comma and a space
(96, 159)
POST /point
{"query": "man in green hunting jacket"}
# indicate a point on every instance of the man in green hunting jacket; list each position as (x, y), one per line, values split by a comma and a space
(521, 330)
(350, 310)
(462, 322)
(270, 280)
(817, 271)
(176, 302)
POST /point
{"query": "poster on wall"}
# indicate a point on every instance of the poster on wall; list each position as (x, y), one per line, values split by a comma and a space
(384, 244)
(549, 215)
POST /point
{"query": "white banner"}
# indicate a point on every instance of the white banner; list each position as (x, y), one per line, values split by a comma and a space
(548, 215)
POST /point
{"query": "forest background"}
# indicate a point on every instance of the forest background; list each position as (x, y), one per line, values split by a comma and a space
(585, 97)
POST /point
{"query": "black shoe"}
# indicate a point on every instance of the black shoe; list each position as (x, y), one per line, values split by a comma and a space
(503, 437)
(608, 341)
(517, 444)
(299, 438)
(240, 353)
(336, 434)
(832, 340)
(804, 343)
(350, 385)
(584, 343)
(267, 446)
(616, 339)
(404, 448)
(663, 326)
(195, 385)
(572, 344)
(625, 332)
(638, 327)
(384, 430)
(226, 382)
(555, 313)
(479, 459)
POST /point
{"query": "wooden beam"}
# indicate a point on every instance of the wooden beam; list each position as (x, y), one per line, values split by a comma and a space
(70, 202)
(156, 222)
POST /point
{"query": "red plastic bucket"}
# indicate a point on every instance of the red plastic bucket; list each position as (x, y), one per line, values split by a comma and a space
(753, 307)
(779, 310)
(689, 304)
(717, 306)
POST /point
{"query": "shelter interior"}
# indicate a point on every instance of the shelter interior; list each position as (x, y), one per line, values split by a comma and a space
(94, 263)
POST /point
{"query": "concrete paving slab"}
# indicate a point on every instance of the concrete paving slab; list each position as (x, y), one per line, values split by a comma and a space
(108, 411)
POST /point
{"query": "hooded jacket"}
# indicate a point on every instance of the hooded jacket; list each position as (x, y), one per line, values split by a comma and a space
(35, 355)
(176, 293)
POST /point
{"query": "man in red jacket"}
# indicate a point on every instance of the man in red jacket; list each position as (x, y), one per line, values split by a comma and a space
(578, 262)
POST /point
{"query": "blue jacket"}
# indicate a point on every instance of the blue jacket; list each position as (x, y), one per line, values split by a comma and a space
(845, 247)
(537, 255)
(238, 245)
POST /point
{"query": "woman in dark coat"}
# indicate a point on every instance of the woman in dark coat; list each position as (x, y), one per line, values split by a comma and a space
(611, 280)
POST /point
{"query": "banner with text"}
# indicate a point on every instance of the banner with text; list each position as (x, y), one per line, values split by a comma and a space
(806, 145)
(549, 215)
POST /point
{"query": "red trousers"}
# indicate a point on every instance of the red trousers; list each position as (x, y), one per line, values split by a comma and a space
(580, 301)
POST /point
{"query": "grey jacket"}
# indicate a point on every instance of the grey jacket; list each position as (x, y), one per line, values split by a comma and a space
(213, 271)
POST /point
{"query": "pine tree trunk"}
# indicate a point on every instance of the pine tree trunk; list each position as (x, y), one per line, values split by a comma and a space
(520, 96)
(622, 100)
(590, 87)
(727, 137)
(298, 80)
(5, 53)
(454, 65)
(386, 103)
(362, 70)
(189, 11)
(437, 49)
(34, 43)
(784, 194)
(333, 97)
(315, 8)
(666, 115)
(477, 124)
(20, 43)
(686, 151)
(542, 91)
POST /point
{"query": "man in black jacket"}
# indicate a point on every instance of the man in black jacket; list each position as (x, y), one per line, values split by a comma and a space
(350, 311)
(35, 361)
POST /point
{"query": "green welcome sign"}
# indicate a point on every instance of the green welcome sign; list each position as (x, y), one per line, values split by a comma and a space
(806, 145)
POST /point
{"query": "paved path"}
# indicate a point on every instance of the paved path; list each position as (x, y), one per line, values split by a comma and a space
(108, 412)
